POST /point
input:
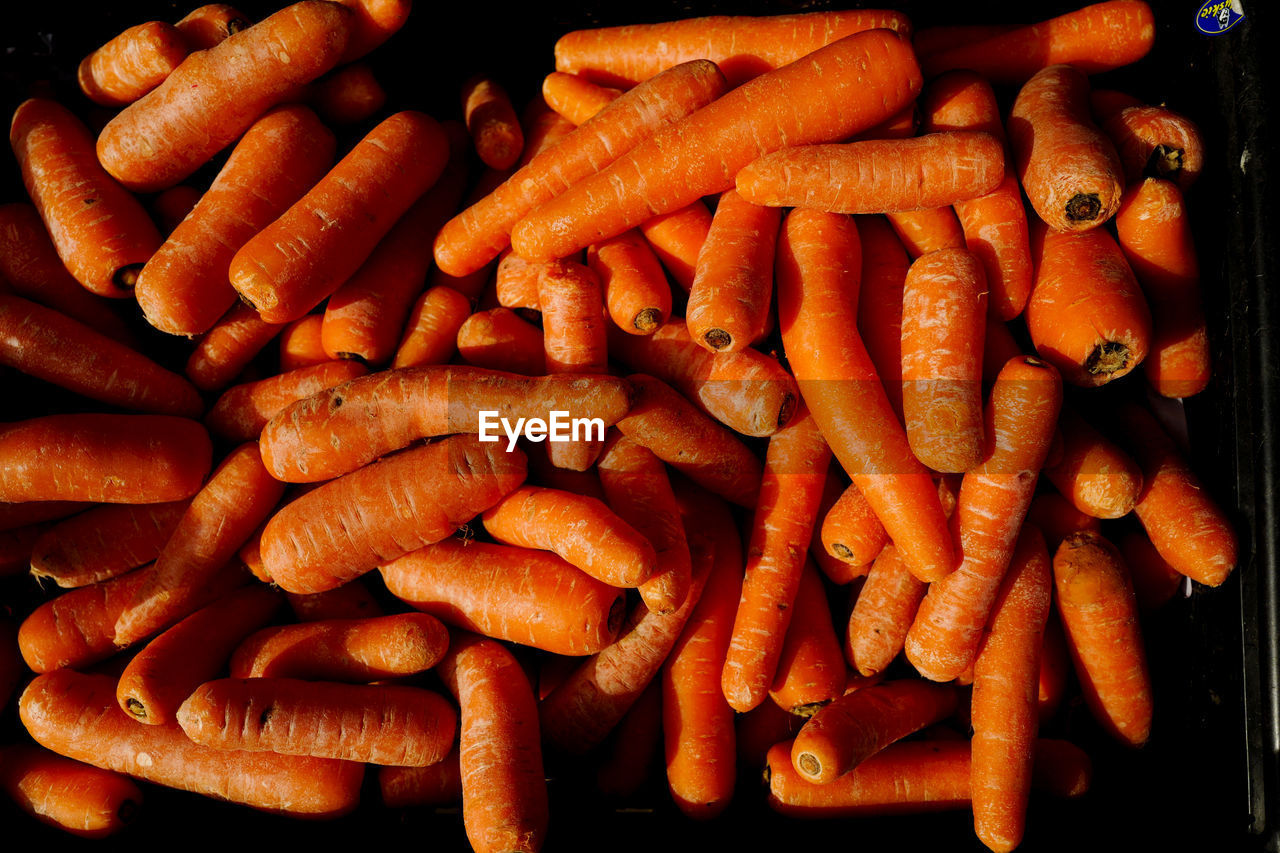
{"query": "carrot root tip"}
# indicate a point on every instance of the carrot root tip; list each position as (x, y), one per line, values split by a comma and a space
(1083, 207)
(718, 339)
(1107, 358)
(1164, 162)
(136, 708)
(235, 25)
(842, 551)
(809, 764)
(648, 319)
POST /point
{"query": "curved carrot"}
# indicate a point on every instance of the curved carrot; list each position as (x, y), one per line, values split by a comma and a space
(104, 542)
(431, 332)
(879, 305)
(635, 287)
(1156, 142)
(243, 410)
(677, 237)
(927, 230)
(575, 97)
(66, 794)
(882, 614)
(1094, 474)
(343, 649)
(349, 95)
(811, 669)
(228, 347)
(211, 24)
(498, 339)
(300, 341)
(132, 64)
(1056, 517)
(574, 340)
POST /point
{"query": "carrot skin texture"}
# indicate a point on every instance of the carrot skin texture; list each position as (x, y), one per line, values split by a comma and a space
(211, 24)
(1155, 141)
(104, 542)
(882, 614)
(879, 305)
(228, 347)
(132, 64)
(635, 286)
(1094, 474)
(677, 237)
(574, 341)
(300, 341)
(498, 339)
(100, 231)
(197, 111)
(927, 230)
(66, 794)
(359, 649)
(811, 670)
(574, 97)
(242, 411)
(373, 23)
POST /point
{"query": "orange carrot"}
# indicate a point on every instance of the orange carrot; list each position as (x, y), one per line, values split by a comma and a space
(243, 410)
(574, 341)
(103, 458)
(431, 333)
(172, 206)
(100, 231)
(66, 794)
(633, 746)
(900, 125)
(104, 542)
(702, 153)
(1099, 614)
(349, 95)
(132, 64)
(197, 111)
(355, 650)
(521, 595)
(516, 281)
(374, 22)
(492, 122)
(208, 25)
(811, 669)
(1156, 142)
(879, 304)
(1096, 38)
(1057, 517)
(1094, 474)
(837, 380)
(300, 342)
(635, 287)
(927, 230)
(228, 347)
(743, 46)
(1155, 582)
(677, 238)
(438, 784)
(575, 97)
(184, 288)
(994, 497)
(882, 614)
(195, 650)
(498, 339)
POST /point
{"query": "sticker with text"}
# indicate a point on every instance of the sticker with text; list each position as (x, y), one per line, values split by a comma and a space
(1217, 16)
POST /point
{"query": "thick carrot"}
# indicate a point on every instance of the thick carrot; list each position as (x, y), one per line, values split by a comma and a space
(1021, 418)
(287, 268)
(927, 230)
(1057, 517)
(879, 305)
(44, 343)
(184, 288)
(1155, 582)
(498, 339)
(349, 95)
(521, 595)
(702, 153)
(743, 46)
(351, 525)
(300, 341)
(944, 314)
(1096, 38)
(243, 410)
(101, 232)
(197, 111)
(504, 789)
(811, 669)
(1156, 142)
(491, 121)
(574, 341)
(1068, 168)
(228, 347)
(132, 64)
(1154, 232)
(1006, 678)
(438, 784)
(355, 650)
(1094, 474)
(103, 458)
(333, 432)
(633, 746)
(174, 664)
(885, 608)
(104, 542)
(920, 173)
(66, 794)
(575, 97)
(677, 238)
(474, 237)
(1100, 616)
(376, 724)
(211, 24)
(635, 287)
(840, 385)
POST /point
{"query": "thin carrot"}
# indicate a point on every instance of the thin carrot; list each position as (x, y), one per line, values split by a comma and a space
(228, 347)
(702, 153)
(100, 231)
(1095, 599)
(635, 286)
(811, 669)
(300, 341)
(927, 230)
(492, 122)
(882, 614)
(132, 64)
(349, 95)
(937, 39)
(498, 339)
(438, 784)
(66, 794)
(574, 341)
(1094, 474)
(197, 111)
(1057, 517)
(243, 410)
(172, 206)
(677, 237)
(521, 595)
(575, 97)
(211, 24)
(879, 304)
(1156, 142)
(633, 746)
(1155, 582)
(104, 542)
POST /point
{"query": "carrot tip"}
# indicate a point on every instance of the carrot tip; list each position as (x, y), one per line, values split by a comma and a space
(235, 25)
(717, 339)
(1165, 162)
(1083, 207)
(842, 551)
(1107, 358)
(809, 764)
(127, 277)
(648, 319)
(354, 356)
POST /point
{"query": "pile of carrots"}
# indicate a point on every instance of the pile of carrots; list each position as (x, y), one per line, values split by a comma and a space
(850, 515)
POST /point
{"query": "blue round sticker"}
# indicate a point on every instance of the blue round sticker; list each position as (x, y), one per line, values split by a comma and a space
(1217, 16)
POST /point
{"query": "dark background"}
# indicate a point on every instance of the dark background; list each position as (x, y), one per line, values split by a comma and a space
(1207, 779)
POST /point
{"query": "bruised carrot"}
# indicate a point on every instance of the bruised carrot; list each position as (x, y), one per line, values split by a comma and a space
(879, 304)
(100, 231)
(525, 596)
(132, 64)
(1156, 142)
(498, 339)
(174, 664)
(677, 237)
(882, 614)
(373, 23)
(635, 287)
(1094, 474)
(218, 93)
(103, 458)
(743, 46)
(349, 601)
(104, 542)
(300, 342)
(633, 746)
(228, 347)
(1057, 517)
(184, 289)
(575, 97)
(811, 669)
(243, 410)
(492, 122)
(574, 341)
(1155, 582)
(927, 230)
(66, 794)
(211, 24)
(349, 95)
(438, 784)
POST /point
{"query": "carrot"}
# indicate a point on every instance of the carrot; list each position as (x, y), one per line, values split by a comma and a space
(811, 669)
(474, 237)
(937, 39)
(633, 746)
(197, 111)
(698, 724)
(300, 342)
(498, 339)
(184, 289)
(208, 25)
(521, 595)
(1056, 517)
(132, 64)
(438, 784)
(62, 793)
(1068, 168)
(1099, 614)
(349, 601)
(349, 95)
(1098, 477)
(1096, 38)
(195, 650)
(743, 46)
(329, 433)
(849, 405)
(882, 614)
(170, 207)
(1155, 582)
(994, 497)
(944, 315)
(575, 97)
(377, 724)
(100, 231)
(373, 23)
(516, 281)
(1186, 526)
(635, 287)
(431, 333)
(856, 726)
(104, 542)
(243, 410)
(287, 268)
(574, 341)
(636, 487)
(702, 153)
(746, 391)
(103, 458)
(228, 347)
(504, 789)
(909, 174)
(1156, 142)
(879, 304)
(677, 238)
(43, 343)
(689, 441)
(492, 122)
(1155, 235)
(349, 526)
(1006, 678)
(927, 230)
